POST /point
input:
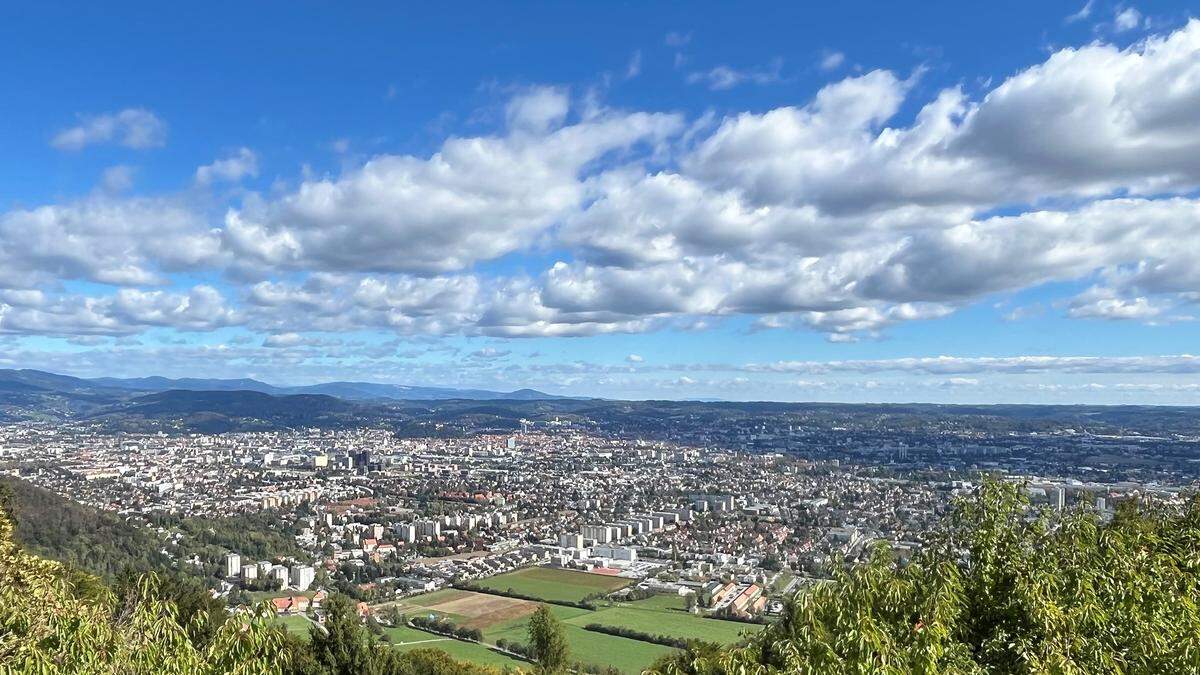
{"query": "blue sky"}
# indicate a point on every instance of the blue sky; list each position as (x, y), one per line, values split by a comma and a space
(859, 202)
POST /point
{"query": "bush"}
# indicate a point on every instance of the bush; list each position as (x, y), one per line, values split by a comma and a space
(667, 640)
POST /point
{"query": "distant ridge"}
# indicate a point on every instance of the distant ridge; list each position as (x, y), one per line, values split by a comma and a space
(355, 391)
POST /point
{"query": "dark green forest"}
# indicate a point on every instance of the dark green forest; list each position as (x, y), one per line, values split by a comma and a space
(107, 544)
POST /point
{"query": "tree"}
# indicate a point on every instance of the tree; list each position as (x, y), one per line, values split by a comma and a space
(1001, 589)
(344, 647)
(548, 642)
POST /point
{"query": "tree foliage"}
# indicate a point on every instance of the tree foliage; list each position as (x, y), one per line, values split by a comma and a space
(55, 619)
(1003, 589)
(547, 641)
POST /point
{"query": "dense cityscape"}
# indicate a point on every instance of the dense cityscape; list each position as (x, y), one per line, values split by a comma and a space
(728, 528)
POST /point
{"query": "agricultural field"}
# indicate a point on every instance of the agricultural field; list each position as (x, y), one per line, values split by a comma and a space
(468, 609)
(507, 618)
(553, 584)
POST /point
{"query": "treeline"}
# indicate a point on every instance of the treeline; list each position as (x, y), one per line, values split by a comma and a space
(619, 631)
(586, 603)
(756, 620)
(446, 627)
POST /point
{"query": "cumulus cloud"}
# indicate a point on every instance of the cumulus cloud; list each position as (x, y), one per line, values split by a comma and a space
(128, 311)
(1127, 19)
(475, 199)
(106, 240)
(135, 128)
(837, 214)
(1104, 303)
(490, 353)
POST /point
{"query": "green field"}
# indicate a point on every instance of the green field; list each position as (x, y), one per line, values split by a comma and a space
(629, 656)
(407, 639)
(785, 577)
(295, 624)
(420, 605)
(664, 615)
(402, 635)
(506, 618)
(553, 584)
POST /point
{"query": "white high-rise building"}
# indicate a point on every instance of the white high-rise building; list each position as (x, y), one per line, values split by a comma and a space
(233, 564)
(570, 540)
(615, 553)
(601, 534)
(280, 574)
(302, 576)
(429, 528)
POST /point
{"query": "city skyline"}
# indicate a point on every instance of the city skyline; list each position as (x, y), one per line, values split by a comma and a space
(933, 203)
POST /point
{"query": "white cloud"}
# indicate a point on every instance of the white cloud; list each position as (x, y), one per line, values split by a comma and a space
(634, 358)
(1083, 13)
(539, 110)
(634, 67)
(490, 353)
(239, 165)
(1127, 19)
(957, 365)
(1104, 303)
(833, 214)
(725, 77)
(475, 199)
(832, 60)
(128, 311)
(955, 382)
(135, 128)
(107, 240)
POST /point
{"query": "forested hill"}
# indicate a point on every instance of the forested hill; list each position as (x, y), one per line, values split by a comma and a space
(107, 544)
(100, 542)
(54, 619)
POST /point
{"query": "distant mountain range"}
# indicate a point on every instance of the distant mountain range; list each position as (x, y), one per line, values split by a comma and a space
(214, 405)
(353, 391)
